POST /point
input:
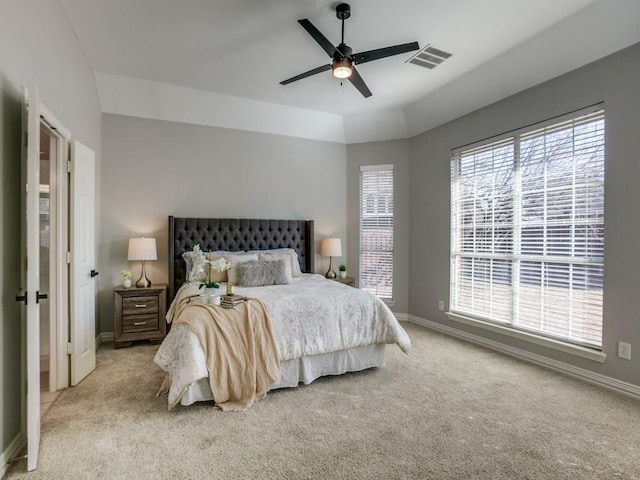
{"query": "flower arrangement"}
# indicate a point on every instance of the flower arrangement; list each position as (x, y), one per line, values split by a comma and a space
(220, 265)
(198, 263)
(126, 278)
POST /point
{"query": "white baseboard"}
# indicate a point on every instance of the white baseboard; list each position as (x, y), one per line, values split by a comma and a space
(102, 337)
(624, 388)
(12, 451)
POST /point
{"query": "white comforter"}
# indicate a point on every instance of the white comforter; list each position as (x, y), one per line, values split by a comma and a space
(310, 316)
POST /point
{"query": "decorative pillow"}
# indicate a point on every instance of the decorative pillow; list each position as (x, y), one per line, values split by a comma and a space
(257, 273)
(272, 257)
(196, 263)
(293, 257)
(235, 260)
(214, 274)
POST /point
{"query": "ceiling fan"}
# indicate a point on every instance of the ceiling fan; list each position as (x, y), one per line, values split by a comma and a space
(344, 60)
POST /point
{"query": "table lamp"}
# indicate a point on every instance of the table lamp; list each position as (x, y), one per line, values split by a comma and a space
(142, 249)
(330, 247)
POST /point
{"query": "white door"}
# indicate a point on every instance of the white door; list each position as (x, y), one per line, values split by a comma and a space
(32, 250)
(83, 274)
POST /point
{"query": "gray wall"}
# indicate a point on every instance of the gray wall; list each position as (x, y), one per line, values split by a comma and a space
(153, 169)
(394, 152)
(36, 44)
(614, 80)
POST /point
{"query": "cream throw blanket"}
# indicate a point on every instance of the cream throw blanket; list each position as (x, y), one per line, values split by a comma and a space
(241, 352)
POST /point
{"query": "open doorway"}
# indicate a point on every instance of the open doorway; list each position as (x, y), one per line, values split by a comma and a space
(53, 206)
(49, 149)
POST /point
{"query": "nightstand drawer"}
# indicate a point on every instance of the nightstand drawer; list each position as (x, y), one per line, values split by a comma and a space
(139, 305)
(139, 323)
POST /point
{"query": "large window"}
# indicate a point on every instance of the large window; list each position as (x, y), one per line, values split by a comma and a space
(527, 234)
(376, 230)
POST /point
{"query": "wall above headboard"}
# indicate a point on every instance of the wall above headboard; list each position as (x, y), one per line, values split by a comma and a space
(170, 168)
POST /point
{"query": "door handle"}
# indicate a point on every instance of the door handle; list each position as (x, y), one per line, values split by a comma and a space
(41, 296)
(22, 298)
(94, 273)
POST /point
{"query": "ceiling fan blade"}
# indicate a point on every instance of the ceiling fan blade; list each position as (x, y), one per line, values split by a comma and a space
(379, 53)
(318, 37)
(358, 82)
(323, 68)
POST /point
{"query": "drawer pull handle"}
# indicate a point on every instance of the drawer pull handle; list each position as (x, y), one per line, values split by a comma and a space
(137, 324)
(141, 306)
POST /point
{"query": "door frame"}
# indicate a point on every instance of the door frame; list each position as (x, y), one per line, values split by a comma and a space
(37, 119)
(59, 286)
(39, 115)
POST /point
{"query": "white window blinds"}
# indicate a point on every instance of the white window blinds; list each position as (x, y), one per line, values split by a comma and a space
(528, 230)
(376, 230)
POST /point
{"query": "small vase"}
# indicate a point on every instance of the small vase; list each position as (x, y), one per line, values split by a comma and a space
(126, 283)
(211, 292)
(343, 274)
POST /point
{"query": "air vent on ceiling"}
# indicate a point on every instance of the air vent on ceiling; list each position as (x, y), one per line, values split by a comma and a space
(429, 57)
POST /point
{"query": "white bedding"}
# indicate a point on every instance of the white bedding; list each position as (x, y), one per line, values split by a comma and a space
(311, 316)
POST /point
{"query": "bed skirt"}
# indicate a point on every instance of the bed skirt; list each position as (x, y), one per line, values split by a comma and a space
(304, 370)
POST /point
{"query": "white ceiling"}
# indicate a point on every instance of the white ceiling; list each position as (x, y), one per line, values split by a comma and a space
(244, 48)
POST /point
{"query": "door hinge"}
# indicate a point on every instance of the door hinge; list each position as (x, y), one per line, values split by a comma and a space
(69, 166)
(68, 258)
(69, 348)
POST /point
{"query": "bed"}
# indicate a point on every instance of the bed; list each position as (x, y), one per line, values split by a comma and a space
(321, 327)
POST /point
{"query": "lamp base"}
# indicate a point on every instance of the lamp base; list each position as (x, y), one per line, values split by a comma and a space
(330, 274)
(143, 281)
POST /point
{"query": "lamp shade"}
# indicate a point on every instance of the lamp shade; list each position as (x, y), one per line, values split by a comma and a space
(142, 248)
(331, 247)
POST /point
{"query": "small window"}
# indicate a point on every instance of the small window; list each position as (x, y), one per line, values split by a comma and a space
(376, 230)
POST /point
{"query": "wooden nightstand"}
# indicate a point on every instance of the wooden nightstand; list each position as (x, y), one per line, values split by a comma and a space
(351, 281)
(139, 314)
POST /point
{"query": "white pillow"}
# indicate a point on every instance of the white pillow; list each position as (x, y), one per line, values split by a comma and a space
(293, 258)
(190, 259)
(232, 273)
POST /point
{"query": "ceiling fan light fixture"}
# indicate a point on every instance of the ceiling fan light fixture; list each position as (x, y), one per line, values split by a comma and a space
(342, 68)
(343, 60)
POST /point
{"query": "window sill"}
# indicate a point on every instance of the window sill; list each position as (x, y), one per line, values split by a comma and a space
(569, 348)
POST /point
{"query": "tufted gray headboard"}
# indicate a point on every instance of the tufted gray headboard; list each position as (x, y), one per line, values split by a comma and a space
(234, 234)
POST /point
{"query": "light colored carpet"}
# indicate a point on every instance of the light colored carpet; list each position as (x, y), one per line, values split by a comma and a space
(450, 410)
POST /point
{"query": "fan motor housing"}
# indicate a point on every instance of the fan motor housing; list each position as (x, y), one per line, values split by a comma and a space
(344, 49)
(343, 11)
